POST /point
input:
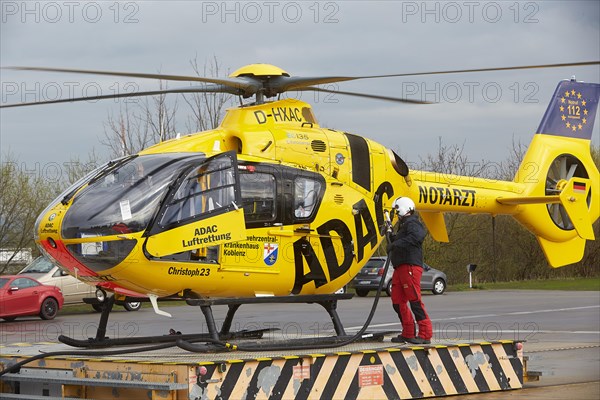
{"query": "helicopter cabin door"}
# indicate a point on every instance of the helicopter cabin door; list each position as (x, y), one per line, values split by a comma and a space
(200, 211)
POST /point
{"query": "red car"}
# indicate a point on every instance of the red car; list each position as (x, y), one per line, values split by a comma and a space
(21, 296)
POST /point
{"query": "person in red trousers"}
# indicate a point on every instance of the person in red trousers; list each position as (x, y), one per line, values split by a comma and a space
(406, 253)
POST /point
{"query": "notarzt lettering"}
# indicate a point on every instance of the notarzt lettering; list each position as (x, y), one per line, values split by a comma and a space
(445, 196)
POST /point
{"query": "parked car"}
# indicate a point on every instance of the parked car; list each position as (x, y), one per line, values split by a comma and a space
(74, 290)
(21, 296)
(370, 275)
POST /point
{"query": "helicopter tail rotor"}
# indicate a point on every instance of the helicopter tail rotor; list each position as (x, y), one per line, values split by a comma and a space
(561, 198)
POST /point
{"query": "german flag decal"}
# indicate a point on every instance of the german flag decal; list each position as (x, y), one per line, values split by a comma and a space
(579, 187)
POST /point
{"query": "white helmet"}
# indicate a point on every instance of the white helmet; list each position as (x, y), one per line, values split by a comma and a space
(403, 205)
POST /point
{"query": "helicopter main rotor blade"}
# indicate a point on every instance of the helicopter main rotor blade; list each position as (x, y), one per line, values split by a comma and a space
(191, 89)
(280, 84)
(284, 84)
(458, 71)
(238, 83)
(365, 95)
(270, 86)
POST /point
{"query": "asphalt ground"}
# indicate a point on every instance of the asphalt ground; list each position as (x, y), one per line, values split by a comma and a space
(560, 329)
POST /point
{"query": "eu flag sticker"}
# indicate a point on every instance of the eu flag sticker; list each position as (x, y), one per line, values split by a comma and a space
(572, 110)
(270, 253)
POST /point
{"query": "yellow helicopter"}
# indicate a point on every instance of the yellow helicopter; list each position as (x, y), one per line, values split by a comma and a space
(271, 204)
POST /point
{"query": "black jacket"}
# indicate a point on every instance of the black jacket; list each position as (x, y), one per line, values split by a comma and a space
(406, 246)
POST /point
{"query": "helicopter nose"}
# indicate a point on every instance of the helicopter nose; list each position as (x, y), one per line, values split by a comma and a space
(99, 221)
(47, 237)
(59, 235)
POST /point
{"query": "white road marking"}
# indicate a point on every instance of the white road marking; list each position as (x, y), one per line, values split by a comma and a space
(496, 315)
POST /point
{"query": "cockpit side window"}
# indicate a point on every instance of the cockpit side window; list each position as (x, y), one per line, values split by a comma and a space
(258, 197)
(306, 196)
(204, 190)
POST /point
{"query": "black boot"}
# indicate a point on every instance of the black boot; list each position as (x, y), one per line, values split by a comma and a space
(417, 340)
(400, 339)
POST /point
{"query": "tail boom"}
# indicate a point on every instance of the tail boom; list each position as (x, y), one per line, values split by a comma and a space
(556, 191)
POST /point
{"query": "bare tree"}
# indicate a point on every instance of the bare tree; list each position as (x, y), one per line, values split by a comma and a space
(207, 108)
(450, 159)
(127, 133)
(143, 123)
(510, 167)
(159, 116)
(140, 124)
(472, 238)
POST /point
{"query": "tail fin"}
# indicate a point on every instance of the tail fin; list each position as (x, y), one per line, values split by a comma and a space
(561, 198)
(572, 110)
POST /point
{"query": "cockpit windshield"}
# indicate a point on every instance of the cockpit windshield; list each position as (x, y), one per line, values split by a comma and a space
(123, 199)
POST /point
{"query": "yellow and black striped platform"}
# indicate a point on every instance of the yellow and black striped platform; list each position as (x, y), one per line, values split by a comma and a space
(361, 371)
(391, 373)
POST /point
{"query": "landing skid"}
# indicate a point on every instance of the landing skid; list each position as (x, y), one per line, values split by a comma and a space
(290, 344)
(329, 302)
(132, 341)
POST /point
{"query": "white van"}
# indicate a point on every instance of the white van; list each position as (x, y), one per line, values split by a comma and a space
(73, 290)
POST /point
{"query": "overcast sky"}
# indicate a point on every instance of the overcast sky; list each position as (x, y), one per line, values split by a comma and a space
(482, 111)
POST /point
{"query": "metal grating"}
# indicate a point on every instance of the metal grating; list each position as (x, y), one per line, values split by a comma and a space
(318, 145)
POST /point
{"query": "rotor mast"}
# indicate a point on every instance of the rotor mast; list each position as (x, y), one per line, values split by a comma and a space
(261, 72)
